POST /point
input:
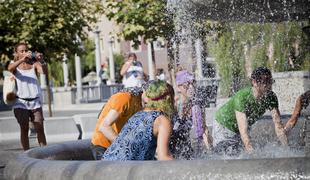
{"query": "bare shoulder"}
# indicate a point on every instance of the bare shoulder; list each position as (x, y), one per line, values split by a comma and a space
(163, 120)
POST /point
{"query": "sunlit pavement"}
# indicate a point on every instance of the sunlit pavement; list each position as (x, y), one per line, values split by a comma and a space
(10, 149)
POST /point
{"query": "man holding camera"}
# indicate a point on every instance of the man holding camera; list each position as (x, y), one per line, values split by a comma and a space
(132, 72)
(28, 104)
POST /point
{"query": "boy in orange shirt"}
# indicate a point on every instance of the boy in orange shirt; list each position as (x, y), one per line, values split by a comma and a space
(114, 115)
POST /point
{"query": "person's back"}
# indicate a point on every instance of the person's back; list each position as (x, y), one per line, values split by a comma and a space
(136, 140)
(147, 130)
(126, 105)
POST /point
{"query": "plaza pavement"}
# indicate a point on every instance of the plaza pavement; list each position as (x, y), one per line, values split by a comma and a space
(11, 148)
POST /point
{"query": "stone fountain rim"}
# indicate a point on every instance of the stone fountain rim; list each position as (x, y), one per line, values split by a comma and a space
(34, 168)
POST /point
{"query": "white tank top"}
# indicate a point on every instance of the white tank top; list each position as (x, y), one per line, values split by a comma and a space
(28, 89)
(134, 76)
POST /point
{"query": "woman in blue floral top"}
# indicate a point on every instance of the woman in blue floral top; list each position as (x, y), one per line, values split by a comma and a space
(147, 130)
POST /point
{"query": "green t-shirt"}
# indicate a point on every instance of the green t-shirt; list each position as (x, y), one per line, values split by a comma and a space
(244, 101)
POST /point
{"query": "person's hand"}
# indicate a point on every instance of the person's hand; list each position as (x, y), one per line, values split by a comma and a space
(12, 77)
(129, 61)
(249, 149)
(289, 125)
(24, 56)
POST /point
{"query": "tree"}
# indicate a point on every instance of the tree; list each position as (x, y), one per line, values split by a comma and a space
(49, 26)
(138, 21)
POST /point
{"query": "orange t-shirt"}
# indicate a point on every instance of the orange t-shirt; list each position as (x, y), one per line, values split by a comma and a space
(126, 105)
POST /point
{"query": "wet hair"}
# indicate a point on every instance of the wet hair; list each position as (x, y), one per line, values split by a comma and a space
(161, 96)
(262, 75)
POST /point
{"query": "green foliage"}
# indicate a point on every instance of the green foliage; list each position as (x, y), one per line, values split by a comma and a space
(282, 40)
(145, 18)
(48, 26)
(88, 64)
(88, 58)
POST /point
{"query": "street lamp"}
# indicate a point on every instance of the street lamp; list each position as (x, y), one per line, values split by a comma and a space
(98, 55)
(111, 60)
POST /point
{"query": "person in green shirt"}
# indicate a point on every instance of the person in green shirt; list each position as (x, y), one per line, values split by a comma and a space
(233, 119)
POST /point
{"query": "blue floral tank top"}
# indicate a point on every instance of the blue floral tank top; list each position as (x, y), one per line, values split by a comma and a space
(136, 140)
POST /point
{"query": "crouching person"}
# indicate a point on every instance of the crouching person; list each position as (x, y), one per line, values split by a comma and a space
(148, 129)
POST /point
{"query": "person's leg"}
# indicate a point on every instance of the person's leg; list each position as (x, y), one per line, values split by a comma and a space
(97, 151)
(225, 141)
(32, 129)
(22, 116)
(37, 117)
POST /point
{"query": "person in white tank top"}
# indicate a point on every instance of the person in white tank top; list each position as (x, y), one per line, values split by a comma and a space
(132, 72)
(28, 105)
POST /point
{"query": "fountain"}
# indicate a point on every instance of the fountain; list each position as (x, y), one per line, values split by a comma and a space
(73, 160)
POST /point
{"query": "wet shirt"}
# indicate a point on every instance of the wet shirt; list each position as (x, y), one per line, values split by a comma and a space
(126, 105)
(136, 140)
(244, 101)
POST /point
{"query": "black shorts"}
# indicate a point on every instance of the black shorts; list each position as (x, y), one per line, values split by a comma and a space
(24, 115)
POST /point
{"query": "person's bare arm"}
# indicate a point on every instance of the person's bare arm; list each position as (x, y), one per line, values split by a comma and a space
(292, 121)
(106, 125)
(207, 139)
(163, 130)
(125, 67)
(12, 66)
(40, 65)
(278, 126)
(243, 129)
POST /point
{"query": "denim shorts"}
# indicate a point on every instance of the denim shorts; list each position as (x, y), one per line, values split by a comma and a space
(97, 151)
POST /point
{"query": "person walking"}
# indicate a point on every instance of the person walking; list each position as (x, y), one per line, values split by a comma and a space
(28, 105)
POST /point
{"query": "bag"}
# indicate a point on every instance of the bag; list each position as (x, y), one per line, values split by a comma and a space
(9, 89)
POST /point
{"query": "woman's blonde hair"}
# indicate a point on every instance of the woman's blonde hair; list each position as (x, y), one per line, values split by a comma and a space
(161, 97)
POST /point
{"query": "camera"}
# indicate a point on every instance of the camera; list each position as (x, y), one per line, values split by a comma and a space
(32, 59)
(135, 62)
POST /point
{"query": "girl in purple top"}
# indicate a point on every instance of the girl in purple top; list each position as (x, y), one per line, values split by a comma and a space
(190, 132)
